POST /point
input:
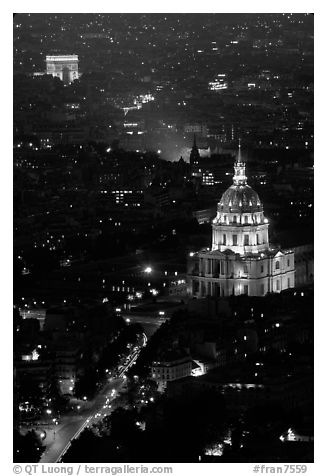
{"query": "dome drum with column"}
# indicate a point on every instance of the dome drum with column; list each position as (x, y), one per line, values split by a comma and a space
(240, 241)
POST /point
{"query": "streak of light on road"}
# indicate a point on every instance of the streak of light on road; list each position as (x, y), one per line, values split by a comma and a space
(97, 412)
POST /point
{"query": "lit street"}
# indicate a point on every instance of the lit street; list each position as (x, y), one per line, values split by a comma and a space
(72, 426)
(149, 323)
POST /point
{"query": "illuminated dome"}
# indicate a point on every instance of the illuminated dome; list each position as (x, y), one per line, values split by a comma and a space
(240, 260)
(240, 199)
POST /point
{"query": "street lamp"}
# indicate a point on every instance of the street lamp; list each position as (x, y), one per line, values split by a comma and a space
(148, 270)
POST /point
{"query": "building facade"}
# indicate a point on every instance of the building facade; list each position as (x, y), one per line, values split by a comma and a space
(64, 67)
(67, 364)
(241, 260)
(170, 368)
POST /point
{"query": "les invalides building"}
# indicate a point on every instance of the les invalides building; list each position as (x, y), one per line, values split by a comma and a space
(240, 261)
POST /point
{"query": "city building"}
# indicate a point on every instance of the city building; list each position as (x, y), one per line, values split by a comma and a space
(204, 216)
(172, 366)
(200, 129)
(304, 265)
(206, 165)
(241, 260)
(67, 364)
(245, 385)
(64, 67)
(34, 372)
(34, 313)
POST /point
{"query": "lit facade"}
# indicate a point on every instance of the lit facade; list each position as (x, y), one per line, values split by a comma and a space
(240, 260)
(64, 67)
(164, 371)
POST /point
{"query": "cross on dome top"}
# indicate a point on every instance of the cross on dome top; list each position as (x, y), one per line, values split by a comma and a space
(239, 155)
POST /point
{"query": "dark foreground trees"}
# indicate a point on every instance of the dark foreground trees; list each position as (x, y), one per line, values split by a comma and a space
(27, 448)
